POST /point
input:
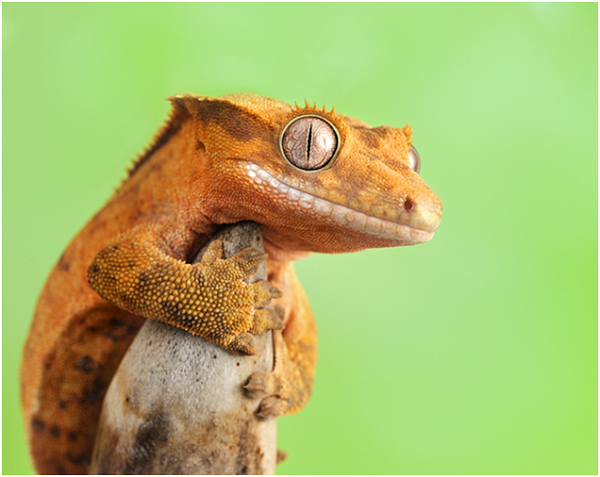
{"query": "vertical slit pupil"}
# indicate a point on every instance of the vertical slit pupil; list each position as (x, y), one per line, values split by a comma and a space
(309, 143)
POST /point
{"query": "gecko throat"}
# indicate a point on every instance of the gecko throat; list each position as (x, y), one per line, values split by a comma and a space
(338, 214)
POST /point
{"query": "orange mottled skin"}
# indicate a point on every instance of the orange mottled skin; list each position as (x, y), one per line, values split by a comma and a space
(138, 248)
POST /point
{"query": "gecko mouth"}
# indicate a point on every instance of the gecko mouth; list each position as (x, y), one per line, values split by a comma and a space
(338, 214)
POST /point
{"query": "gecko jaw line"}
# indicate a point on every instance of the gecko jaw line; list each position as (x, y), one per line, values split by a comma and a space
(339, 214)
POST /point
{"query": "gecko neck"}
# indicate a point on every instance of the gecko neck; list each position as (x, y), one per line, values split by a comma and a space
(277, 254)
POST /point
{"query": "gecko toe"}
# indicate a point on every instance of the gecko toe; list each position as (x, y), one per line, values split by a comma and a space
(272, 406)
(248, 261)
(213, 252)
(260, 385)
(265, 292)
(267, 319)
(242, 344)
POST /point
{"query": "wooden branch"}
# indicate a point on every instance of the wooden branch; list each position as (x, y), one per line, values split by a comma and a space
(177, 405)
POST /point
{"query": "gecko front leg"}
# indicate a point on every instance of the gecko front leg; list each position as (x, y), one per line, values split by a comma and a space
(209, 299)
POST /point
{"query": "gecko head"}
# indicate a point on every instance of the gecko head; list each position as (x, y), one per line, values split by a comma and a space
(316, 180)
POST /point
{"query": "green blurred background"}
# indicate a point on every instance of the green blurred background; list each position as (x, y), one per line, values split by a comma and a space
(474, 353)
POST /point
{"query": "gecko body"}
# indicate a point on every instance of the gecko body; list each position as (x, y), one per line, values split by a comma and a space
(315, 180)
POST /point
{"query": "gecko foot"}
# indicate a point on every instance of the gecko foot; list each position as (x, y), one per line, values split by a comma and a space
(238, 309)
(283, 391)
(268, 387)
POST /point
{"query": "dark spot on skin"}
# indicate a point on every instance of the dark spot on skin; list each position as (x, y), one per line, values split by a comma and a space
(172, 308)
(63, 263)
(238, 123)
(408, 205)
(111, 336)
(72, 436)
(151, 434)
(215, 356)
(115, 331)
(116, 322)
(169, 307)
(38, 425)
(62, 405)
(237, 364)
(132, 329)
(55, 431)
(93, 269)
(95, 393)
(85, 364)
(81, 459)
(144, 279)
(127, 399)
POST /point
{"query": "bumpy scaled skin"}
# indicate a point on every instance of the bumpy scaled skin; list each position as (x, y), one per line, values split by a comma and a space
(332, 184)
(207, 299)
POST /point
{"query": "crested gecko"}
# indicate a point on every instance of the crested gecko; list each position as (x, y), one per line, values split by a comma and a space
(315, 180)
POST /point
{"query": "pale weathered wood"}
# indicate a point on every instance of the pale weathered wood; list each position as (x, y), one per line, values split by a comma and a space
(177, 405)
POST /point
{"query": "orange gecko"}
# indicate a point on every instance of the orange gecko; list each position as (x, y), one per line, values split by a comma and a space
(315, 180)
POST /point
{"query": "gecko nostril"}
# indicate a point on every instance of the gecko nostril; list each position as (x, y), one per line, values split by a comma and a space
(409, 205)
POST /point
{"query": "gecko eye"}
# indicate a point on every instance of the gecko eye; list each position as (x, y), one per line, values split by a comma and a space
(309, 142)
(414, 160)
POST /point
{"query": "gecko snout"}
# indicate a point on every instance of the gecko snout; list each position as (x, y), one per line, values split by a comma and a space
(424, 214)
